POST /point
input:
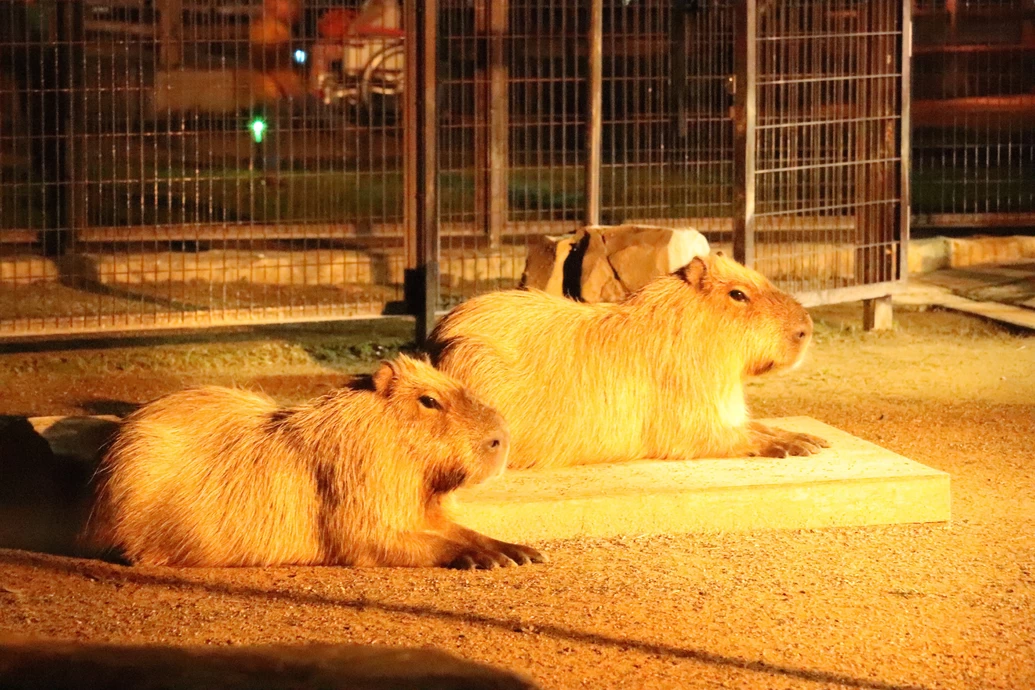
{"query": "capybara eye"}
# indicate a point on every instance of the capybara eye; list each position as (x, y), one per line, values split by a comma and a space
(738, 295)
(429, 402)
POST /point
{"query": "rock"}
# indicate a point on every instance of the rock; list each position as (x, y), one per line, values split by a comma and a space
(77, 438)
(599, 282)
(29, 494)
(45, 469)
(604, 264)
(64, 666)
(544, 266)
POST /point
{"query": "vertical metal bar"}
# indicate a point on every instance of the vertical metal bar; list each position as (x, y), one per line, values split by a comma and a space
(905, 143)
(594, 120)
(492, 127)
(482, 116)
(75, 123)
(422, 282)
(745, 62)
(499, 120)
(170, 34)
(678, 39)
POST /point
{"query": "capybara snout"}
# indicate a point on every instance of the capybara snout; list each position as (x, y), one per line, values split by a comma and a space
(473, 432)
(799, 330)
(495, 449)
(224, 477)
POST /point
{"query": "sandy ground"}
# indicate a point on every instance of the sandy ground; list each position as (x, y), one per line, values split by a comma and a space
(893, 607)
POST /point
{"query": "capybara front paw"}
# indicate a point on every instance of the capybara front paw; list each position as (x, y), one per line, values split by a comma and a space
(520, 554)
(776, 443)
(806, 444)
(480, 559)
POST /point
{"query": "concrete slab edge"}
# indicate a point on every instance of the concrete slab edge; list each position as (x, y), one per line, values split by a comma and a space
(853, 503)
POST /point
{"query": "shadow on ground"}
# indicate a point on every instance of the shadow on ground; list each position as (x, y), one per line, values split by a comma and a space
(99, 570)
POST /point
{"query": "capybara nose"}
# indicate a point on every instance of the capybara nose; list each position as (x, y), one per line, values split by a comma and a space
(498, 443)
(805, 329)
(496, 449)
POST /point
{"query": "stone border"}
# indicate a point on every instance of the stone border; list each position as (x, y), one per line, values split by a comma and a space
(335, 267)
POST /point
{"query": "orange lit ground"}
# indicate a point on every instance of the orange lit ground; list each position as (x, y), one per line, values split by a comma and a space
(896, 607)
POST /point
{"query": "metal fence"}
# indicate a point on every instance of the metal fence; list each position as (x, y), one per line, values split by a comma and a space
(191, 163)
(184, 163)
(974, 113)
(828, 162)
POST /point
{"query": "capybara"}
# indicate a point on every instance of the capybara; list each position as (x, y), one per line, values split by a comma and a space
(657, 375)
(360, 476)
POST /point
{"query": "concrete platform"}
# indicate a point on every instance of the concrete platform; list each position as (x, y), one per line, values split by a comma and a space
(852, 483)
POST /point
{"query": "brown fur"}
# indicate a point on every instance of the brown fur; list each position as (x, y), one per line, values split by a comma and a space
(658, 375)
(222, 477)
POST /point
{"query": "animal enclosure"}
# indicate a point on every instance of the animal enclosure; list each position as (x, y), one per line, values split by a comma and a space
(182, 163)
(973, 114)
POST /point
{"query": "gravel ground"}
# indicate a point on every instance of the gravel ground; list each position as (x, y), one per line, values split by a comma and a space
(890, 607)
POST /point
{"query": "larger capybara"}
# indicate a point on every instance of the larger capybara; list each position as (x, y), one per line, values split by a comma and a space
(657, 375)
(360, 477)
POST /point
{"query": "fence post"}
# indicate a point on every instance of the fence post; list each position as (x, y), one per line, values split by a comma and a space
(421, 173)
(594, 119)
(905, 143)
(745, 114)
(50, 76)
(170, 36)
(492, 120)
(678, 41)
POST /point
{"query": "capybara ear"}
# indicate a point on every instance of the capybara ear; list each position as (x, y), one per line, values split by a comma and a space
(695, 273)
(383, 378)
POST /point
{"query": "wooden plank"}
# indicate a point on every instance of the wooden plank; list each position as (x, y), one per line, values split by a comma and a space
(814, 298)
(853, 483)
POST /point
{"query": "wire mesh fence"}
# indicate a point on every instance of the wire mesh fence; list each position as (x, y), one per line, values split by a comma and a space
(208, 162)
(668, 134)
(974, 113)
(191, 163)
(828, 159)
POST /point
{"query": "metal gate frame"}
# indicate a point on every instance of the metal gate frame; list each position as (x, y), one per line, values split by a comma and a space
(425, 291)
(875, 280)
(745, 142)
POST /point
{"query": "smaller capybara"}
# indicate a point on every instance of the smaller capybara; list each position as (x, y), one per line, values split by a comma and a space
(361, 476)
(659, 374)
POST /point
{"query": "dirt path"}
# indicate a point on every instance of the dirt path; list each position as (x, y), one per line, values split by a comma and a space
(897, 607)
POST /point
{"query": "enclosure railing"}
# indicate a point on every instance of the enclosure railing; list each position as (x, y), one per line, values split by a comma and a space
(974, 114)
(178, 164)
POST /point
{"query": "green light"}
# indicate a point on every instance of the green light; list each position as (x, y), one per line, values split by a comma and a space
(258, 127)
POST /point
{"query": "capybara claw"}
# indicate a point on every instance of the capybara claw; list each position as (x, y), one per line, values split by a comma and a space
(806, 444)
(520, 554)
(463, 562)
(479, 560)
